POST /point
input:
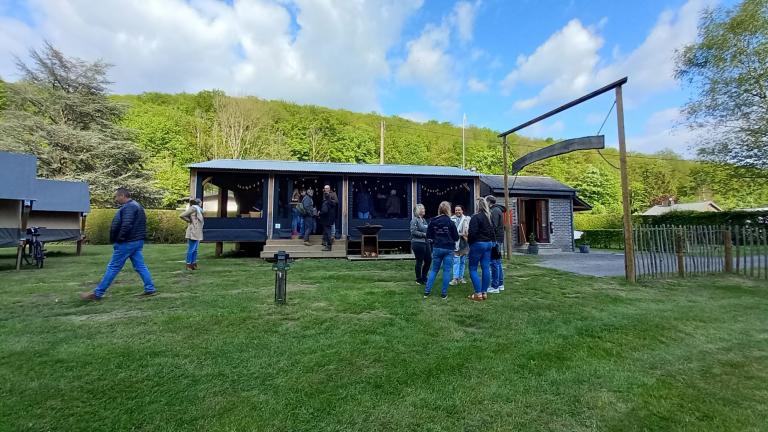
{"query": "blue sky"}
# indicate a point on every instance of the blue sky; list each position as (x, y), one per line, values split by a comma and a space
(500, 62)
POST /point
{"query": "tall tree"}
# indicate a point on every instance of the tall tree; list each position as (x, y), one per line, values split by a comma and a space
(60, 112)
(727, 70)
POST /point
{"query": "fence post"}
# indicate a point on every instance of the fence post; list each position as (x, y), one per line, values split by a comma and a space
(728, 243)
(679, 250)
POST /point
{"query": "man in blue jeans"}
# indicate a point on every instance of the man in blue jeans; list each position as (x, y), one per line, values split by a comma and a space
(127, 234)
(497, 221)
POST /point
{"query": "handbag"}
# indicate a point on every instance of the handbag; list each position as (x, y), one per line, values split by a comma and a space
(496, 249)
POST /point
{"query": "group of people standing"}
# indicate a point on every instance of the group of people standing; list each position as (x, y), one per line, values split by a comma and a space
(450, 242)
(306, 214)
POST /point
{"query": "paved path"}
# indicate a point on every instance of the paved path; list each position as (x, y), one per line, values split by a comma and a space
(595, 263)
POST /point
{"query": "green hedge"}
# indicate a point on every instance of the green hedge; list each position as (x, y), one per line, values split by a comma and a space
(602, 239)
(706, 218)
(163, 226)
(588, 221)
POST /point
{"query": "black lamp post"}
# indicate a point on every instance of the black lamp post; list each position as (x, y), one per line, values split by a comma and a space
(281, 267)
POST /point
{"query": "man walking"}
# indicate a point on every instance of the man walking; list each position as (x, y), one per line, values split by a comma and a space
(127, 234)
(309, 215)
(497, 221)
(328, 217)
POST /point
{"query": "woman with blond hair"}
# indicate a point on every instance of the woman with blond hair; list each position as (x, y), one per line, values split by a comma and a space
(442, 234)
(419, 244)
(480, 239)
(193, 216)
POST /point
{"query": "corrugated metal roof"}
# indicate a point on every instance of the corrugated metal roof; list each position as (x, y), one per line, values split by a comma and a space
(705, 206)
(526, 183)
(332, 168)
(17, 176)
(61, 196)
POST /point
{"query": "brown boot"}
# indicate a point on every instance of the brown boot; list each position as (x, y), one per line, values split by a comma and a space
(190, 266)
(89, 296)
(194, 266)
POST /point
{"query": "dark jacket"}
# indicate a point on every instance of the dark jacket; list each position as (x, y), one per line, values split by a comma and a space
(393, 205)
(129, 224)
(309, 206)
(480, 229)
(497, 220)
(442, 233)
(328, 211)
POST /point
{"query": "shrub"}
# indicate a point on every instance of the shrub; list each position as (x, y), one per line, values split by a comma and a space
(590, 221)
(163, 226)
(602, 239)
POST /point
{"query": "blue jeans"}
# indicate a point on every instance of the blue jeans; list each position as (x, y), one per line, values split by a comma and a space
(121, 253)
(444, 258)
(497, 271)
(309, 227)
(297, 221)
(480, 253)
(459, 262)
(364, 215)
(192, 246)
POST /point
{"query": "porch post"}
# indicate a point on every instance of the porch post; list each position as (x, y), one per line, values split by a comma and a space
(223, 203)
(345, 207)
(82, 234)
(25, 209)
(270, 206)
(414, 194)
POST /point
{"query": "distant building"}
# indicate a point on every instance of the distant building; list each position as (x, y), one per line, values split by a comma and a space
(704, 206)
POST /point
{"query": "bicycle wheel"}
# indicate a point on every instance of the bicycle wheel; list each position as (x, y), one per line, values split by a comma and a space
(39, 257)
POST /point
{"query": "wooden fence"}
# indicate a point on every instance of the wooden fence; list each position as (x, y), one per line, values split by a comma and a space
(663, 250)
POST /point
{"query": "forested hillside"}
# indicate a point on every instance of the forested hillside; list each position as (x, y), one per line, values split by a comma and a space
(175, 130)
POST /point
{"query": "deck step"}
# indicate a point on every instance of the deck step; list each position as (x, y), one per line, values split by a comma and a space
(301, 248)
(336, 253)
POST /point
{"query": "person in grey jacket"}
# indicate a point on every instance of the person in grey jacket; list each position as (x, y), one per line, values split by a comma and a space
(419, 245)
(310, 212)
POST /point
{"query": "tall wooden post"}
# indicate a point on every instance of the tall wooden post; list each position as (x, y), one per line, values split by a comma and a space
(680, 252)
(507, 222)
(629, 247)
(728, 246)
(223, 203)
(82, 235)
(381, 145)
(25, 209)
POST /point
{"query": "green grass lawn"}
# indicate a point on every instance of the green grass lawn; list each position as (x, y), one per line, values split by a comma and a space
(357, 348)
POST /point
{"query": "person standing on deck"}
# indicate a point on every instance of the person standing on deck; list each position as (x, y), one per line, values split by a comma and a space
(193, 216)
(328, 217)
(309, 212)
(127, 234)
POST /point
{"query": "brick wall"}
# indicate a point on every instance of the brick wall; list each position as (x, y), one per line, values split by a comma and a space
(561, 216)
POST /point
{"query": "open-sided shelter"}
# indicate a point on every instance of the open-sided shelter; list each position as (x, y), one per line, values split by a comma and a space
(17, 182)
(60, 207)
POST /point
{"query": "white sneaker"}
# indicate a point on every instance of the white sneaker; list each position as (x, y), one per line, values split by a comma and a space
(501, 287)
(464, 281)
(453, 282)
(493, 291)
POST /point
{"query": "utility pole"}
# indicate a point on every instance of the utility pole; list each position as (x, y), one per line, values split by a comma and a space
(381, 146)
(629, 247)
(507, 222)
(463, 145)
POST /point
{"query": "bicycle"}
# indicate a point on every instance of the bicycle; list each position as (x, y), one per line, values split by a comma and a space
(34, 248)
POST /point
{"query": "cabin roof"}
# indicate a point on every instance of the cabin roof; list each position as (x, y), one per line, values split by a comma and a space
(17, 176)
(333, 168)
(526, 184)
(61, 196)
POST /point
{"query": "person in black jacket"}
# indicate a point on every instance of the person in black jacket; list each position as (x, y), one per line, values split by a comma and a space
(328, 217)
(127, 233)
(480, 239)
(442, 234)
(497, 221)
(309, 212)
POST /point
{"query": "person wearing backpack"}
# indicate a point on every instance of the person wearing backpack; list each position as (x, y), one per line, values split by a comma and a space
(309, 212)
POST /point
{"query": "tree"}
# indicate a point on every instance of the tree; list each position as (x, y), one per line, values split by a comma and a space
(727, 69)
(60, 112)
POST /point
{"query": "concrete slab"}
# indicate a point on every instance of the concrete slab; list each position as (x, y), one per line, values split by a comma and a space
(595, 263)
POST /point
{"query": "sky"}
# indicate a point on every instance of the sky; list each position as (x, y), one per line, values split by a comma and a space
(499, 62)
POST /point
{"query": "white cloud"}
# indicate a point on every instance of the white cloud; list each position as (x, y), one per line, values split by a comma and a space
(334, 56)
(477, 86)
(565, 63)
(661, 131)
(429, 63)
(418, 117)
(568, 64)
